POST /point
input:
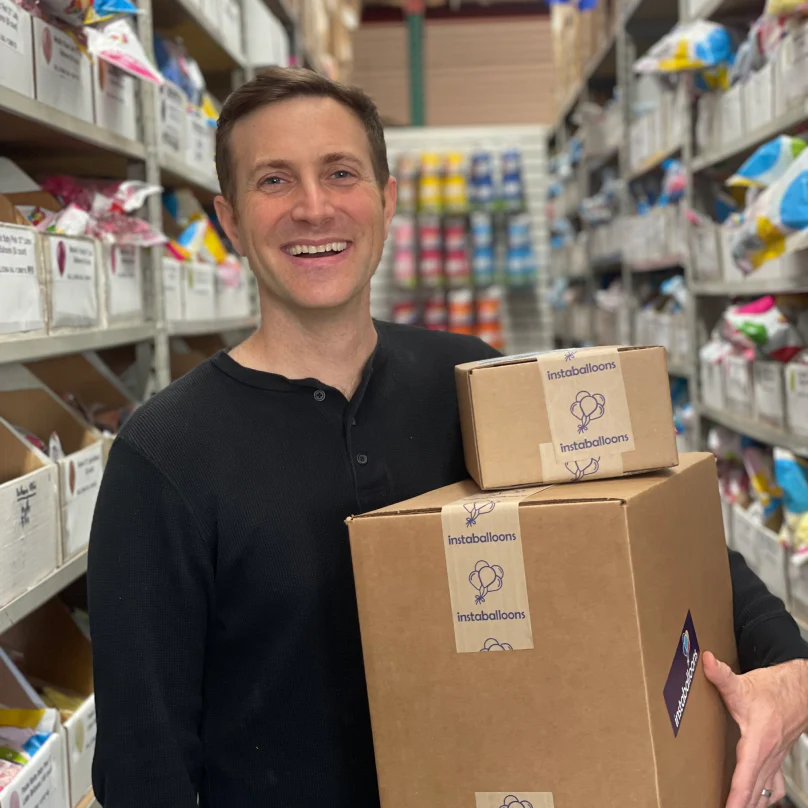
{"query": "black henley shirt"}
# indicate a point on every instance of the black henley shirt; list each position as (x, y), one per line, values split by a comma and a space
(227, 653)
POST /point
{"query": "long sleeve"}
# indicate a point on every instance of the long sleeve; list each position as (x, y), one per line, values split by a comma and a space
(765, 632)
(150, 579)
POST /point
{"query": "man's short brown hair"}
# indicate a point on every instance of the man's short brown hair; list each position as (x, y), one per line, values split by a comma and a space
(282, 84)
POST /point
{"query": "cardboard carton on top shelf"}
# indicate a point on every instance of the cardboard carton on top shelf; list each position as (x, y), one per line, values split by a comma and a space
(114, 99)
(22, 283)
(29, 515)
(49, 649)
(63, 72)
(45, 775)
(26, 403)
(566, 415)
(596, 660)
(17, 64)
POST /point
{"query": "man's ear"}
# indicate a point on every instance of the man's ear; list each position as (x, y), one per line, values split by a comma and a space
(227, 219)
(389, 197)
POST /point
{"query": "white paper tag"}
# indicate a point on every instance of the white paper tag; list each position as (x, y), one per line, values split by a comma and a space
(74, 297)
(20, 297)
(10, 26)
(81, 479)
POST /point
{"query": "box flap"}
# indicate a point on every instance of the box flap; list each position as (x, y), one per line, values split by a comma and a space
(622, 489)
(533, 357)
(15, 692)
(10, 215)
(17, 456)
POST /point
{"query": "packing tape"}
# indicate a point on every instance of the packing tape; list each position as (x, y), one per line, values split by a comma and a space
(516, 799)
(587, 409)
(482, 540)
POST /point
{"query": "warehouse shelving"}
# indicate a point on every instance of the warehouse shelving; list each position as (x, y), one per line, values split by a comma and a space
(196, 329)
(176, 171)
(747, 288)
(41, 593)
(654, 162)
(669, 262)
(757, 430)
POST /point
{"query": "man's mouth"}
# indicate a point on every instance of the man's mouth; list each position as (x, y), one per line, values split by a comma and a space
(318, 250)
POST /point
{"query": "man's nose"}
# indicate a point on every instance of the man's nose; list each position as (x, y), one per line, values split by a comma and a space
(312, 204)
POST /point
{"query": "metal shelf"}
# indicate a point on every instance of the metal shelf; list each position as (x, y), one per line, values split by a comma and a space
(202, 327)
(791, 119)
(757, 430)
(607, 262)
(76, 129)
(42, 592)
(749, 287)
(654, 162)
(181, 173)
(669, 262)
(29, 350)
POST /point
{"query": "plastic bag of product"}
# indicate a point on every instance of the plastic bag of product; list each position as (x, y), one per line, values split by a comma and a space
(23, 733)
(87, 12)
(769, 163)
(762, 325)
(785, 8)
(698, 45)
(117, 43)
(779, 211)
(791, 473)
(725, 444)
(760, 468)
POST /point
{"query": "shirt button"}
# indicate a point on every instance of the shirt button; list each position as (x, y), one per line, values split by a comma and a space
(319, 395)
(362, 459)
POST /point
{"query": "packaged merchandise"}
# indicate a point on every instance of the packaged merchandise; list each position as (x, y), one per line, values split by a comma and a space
(785, 8)
(762, 326)
(489, 317)
(513, 187)
(764, 488)
(791, 475)
(407, 177)
(698, 45)
(456, 261)
(520, 263)
(405, 271)
(769, 163)
(436, 316)
(460, 306)
(455, 195)
(405, 312)
(430, 259)
(22, 734)
(430, 185)
(178, 67)
(482, 248)
(541, 418)
(117, 43)
(445, 579)
(482, 189)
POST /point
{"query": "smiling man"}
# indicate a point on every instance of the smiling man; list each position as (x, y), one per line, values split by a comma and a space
(228, 661)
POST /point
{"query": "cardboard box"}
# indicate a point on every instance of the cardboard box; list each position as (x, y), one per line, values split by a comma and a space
(590, 626)
(17, 64)
(739, 385)
(708, 123)
(25, 403)
(42, 783)
(29, 515)
(565, 415)
(122, 285)
(63, 73)
(711, 373)
(47, 647)
(172, 120)
(200, 146)
(72, 275)
(796, 387)
(726, 514)
(22, 282)
(760, 98)
(745, 537)
(233, 299)
(174, 290)
(114, 99)
(706, 252)
(769, 393)
(200, 291)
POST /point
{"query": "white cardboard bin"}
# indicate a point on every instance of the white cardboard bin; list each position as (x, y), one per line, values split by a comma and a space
(773, 559)
(16, 57)
(739, 385)
(745, 537)
(174, 290)
(200, 291)
(122, 285)
(114, 99)
(796, 388)
(172, 105)
(72, 275)
(770, 404)
(22, 282)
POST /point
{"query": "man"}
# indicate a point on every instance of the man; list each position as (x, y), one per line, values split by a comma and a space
(228, 661)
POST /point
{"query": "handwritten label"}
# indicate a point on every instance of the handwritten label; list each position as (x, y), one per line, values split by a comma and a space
(20, 295)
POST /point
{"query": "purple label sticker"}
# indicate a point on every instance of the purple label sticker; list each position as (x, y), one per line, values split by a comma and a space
(683, 669)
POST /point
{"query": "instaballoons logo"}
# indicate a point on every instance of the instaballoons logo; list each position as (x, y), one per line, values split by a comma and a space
(477, 509)
(583, 468)
(486, 578)
(692, 662)
(573, 371)
(586, 408)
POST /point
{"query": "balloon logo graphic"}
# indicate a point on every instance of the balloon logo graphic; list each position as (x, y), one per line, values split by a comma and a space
(485, 578)
(476, 509)
(47, 44)
(583, 468)
(15, 801)
(686, 645)
(71, 476)
(587, 407)
(569, 356)
(493, 645)
(514, 802)
(61, 257)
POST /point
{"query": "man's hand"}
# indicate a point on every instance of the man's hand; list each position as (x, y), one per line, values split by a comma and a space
(771, 708)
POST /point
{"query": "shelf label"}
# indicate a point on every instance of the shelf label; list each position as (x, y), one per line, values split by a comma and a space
(10, 24)
(20, 296)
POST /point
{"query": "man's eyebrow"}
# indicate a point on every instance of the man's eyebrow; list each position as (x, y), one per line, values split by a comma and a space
(262, 165)
(340, 157)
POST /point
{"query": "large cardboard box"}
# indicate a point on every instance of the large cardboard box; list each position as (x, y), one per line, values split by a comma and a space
(114, 99)
(22, 283)
(48, 648)
(29, 515)
(17, 63)
(566, 415)
(30, 406)
(72, 275)
(600, 696)
(63, 72)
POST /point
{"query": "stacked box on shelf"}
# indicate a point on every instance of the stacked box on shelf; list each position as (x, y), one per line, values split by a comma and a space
(27, 404)
(796, 397)
(114, 99)
(791, 68)
(29, 515)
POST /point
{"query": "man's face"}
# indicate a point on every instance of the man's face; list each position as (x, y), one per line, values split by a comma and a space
(309, 213)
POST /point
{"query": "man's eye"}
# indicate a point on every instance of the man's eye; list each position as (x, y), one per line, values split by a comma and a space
(342, 174)
(271, 181)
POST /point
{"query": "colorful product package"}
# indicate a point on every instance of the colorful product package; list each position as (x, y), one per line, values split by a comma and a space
(456, 263)
(407, 177)
(769, 163)
(22, 735)
(791, 473)
(785, 8)
(513, 188)
(767, 493)
(404, 267)
(117, 43)
(461, 311)
(762, 325)
(430, 186)
(690, 46)
(435, 313)
(405, 312)
(455, 193)
(482, 248)
(482, 181)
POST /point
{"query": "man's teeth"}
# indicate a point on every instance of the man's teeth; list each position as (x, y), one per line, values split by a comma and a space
(334, 246)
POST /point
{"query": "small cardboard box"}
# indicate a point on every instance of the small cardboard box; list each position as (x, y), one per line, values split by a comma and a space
(29, 515)
(745, 537)
(17, 64)
(565, 415)
(200, 291)
(122, 285)
(48, 648)
(25, 403)
(613, 680)
(42, 783)
(72, 275)
(769, 393)
(796, 387)
(63, 73)
(172, 120)
(174, 290)
(22, 281)
(739, 385)
(200, 143)
(114, 99)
